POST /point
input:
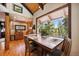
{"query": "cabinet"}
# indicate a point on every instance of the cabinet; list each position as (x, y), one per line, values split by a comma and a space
(18, 35)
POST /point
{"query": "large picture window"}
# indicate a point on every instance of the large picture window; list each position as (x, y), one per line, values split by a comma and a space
(56, 23)
(59, 27)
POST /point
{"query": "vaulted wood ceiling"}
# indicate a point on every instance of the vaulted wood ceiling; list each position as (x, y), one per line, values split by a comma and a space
(33, 7)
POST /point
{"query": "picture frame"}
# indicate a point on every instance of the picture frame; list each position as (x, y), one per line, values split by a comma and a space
(20, 27)
(17, 8)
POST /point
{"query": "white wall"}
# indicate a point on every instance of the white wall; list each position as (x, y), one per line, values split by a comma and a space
(25, 11)
(75, 29)
(74, 23)
(9, 9)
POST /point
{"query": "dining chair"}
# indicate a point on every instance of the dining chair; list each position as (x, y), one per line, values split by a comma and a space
(65, 51)
(30, 46)
(66, 48)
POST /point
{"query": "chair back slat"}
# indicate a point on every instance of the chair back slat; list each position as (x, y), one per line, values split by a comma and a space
(67, 46)
(27, 44)
(26, 40)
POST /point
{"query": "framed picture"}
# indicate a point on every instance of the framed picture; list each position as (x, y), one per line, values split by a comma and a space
(17, 8)
(20, 27)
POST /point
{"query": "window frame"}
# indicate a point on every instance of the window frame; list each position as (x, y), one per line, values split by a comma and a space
(69, 17)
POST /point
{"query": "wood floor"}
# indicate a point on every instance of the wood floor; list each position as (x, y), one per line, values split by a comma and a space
(17, 48)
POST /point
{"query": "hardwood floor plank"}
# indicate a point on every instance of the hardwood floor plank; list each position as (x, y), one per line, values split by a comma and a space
(17, 48)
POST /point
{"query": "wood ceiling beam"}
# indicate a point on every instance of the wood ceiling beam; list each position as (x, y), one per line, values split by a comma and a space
(26, 8)
(41, 5)
(4, 4)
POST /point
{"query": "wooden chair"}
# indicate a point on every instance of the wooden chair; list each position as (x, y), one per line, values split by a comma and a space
(66, 48)
(30, 46)
(26, 44)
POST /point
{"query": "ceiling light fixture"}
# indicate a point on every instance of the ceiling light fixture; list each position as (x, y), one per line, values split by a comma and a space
(39, 6)
(14, 17)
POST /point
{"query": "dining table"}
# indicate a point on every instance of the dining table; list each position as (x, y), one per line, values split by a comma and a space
(47, 43)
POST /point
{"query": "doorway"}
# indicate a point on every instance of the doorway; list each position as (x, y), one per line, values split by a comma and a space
(2, 27)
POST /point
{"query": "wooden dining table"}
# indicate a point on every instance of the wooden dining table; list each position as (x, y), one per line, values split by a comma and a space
(47, 43)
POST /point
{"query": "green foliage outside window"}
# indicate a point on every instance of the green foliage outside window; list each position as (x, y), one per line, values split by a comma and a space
(48, 28)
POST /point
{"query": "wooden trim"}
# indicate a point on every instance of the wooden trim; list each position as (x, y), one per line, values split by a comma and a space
(69, 20)
(69, 16)
(27, 8)
(4, 4)
(41, 5)
(44, 3)
(6, 13)
(21, 21)
(7, 31)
